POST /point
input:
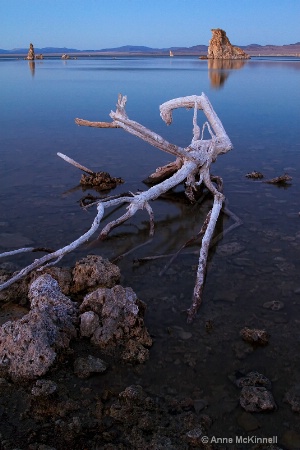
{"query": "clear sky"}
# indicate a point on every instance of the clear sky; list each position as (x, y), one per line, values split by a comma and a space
(97, 24)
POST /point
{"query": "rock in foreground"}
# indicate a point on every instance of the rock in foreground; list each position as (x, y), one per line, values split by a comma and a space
(113, 318)
(28, 346)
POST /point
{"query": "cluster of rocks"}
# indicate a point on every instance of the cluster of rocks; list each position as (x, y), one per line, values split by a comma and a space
(145, 422)
(98, 308)
(255, 393)
(221, 48)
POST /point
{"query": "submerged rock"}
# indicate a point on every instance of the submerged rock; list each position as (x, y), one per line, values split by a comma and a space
(84, 367)
(43, 388)
(293, 398)
(257, 399)
(255, 336)
(28, 346)
(274, 305)
(253, 379)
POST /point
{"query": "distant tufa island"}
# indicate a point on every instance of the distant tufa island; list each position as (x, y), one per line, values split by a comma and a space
(196, 50)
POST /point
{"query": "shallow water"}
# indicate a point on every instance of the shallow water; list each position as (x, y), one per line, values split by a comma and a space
(258, 102)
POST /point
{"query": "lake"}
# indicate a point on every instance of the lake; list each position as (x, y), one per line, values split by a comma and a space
(258, 102)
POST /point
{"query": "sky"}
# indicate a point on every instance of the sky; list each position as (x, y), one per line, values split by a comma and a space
(98, 24)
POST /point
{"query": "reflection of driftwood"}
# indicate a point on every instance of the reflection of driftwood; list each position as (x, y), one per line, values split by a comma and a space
(194, 163)
(237, 223)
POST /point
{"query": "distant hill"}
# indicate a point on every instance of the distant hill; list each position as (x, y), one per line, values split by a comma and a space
(251, 49)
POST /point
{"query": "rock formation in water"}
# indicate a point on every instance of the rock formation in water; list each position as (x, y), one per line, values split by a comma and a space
(221, 48)
(30, 54)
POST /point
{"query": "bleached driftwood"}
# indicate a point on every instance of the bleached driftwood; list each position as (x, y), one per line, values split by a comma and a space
(192, 165)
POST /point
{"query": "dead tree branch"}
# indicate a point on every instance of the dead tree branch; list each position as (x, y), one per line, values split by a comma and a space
(192, 166)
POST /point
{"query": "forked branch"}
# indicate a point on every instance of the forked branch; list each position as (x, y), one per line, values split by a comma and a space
(192, 165)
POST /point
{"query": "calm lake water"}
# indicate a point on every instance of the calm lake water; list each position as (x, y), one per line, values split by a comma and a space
(258, 102)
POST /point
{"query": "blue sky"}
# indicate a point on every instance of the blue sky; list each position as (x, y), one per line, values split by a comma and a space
(97, 24)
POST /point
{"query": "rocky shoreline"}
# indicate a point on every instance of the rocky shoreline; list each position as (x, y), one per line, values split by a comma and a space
(79, 333)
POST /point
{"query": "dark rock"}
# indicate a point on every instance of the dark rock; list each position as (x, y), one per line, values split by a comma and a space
(293, 398)
(43, 388)
(101, 180)
(84, 367)
(255, 336)
(94, 271)
(274, 305)
(253, 379)
(257, 399)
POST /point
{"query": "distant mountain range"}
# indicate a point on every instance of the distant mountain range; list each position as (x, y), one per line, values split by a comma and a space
(252, 50)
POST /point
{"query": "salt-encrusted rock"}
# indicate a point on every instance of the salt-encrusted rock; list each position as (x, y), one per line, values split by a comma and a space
(255, 336)
(221, 48)
(84, 367)
(257, 399)
(93, 272)
(30, 54)
(121, 323)
(43, 388)
(28, 346)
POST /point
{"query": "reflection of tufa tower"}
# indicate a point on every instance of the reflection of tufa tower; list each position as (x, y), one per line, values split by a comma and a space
(30, 52)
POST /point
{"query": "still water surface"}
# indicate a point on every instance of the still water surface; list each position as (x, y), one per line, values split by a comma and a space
(258, 102)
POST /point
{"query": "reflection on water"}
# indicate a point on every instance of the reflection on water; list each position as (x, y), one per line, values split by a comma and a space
(31, 65)
(218, 70)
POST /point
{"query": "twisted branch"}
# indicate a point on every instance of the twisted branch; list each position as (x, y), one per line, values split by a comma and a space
(192, 164)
